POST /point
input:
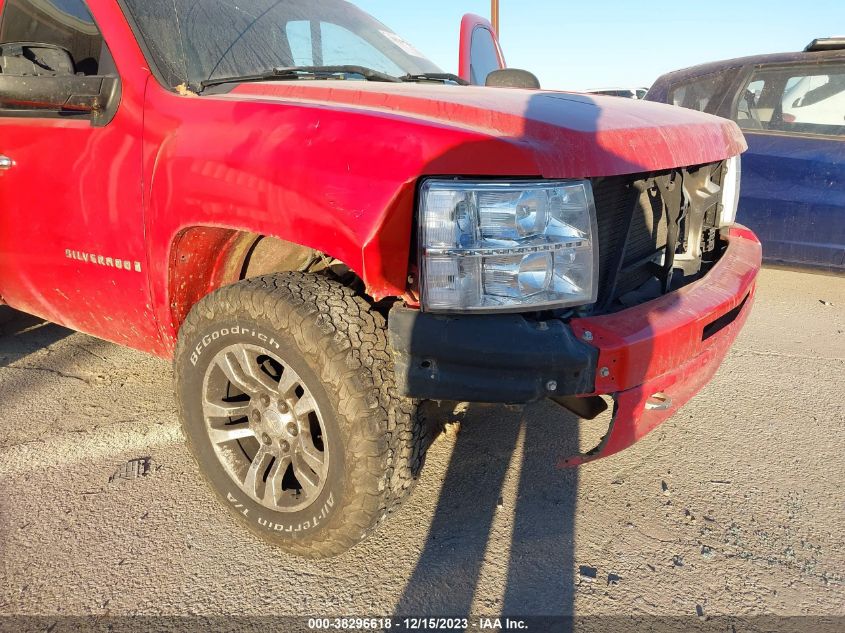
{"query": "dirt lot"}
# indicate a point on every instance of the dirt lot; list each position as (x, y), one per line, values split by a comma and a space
(735, 506)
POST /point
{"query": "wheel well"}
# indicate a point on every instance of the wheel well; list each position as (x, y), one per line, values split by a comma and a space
(204, 259)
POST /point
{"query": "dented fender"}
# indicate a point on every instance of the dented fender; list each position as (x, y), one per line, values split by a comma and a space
(334, 166)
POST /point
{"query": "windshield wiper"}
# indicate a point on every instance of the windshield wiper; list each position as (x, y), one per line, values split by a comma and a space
(287, 73)
(444, 77)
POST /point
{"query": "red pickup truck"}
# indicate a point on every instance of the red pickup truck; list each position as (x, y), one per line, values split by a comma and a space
(323, 229)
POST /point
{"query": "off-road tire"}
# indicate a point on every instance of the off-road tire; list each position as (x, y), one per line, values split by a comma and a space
(338, 345)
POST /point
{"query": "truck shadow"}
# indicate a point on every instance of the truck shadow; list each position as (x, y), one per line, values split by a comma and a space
(539, 565)
(493, 444)
(22, 334)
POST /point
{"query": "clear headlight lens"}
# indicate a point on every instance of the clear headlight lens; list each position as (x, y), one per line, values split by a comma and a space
(489, 246)
(731, 191)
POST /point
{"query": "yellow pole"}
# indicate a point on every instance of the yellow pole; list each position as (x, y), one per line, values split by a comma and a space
(494, 10)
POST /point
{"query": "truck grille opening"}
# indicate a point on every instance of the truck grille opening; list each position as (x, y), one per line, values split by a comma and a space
(656, 232)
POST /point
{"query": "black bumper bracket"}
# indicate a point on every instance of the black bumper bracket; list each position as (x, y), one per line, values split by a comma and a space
(488, 358)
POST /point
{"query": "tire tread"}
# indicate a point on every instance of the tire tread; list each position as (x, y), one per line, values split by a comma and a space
(349, 348)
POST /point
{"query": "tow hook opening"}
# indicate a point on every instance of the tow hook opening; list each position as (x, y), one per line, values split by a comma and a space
(658, 402)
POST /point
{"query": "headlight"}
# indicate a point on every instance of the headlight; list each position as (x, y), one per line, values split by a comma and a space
(730, 191)
(488, 246)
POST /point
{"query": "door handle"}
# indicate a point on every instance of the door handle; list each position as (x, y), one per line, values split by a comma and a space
(6, 162)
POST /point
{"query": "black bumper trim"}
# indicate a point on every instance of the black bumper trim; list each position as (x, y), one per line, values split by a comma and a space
(486, 358)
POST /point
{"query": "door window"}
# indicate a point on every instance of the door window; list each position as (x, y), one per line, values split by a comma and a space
(798, 100)
(485, 56)
(62, 23)
(53, 61)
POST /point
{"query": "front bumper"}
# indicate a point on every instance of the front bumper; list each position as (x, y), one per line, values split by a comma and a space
(651, 358)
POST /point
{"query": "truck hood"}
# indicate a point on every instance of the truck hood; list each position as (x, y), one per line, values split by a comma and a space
(569, 135)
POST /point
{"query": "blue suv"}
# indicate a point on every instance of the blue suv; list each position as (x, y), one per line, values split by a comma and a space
(791, 107)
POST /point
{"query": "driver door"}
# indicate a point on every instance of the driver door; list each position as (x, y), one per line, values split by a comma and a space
(71, 220)
(480, 51)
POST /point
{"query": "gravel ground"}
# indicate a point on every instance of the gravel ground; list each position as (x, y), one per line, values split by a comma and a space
(734, 506)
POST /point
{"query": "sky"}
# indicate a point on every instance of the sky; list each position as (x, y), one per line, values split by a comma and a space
(615, 43)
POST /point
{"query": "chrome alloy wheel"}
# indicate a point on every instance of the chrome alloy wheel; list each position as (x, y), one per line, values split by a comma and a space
(265, 427)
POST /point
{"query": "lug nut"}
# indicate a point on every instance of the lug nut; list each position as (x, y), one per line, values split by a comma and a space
(266, 439)
(551, 385)
(605, 372)
(283, 406)
(265, 400)
(293, 430)
(256, 416)
(588, 336)
(285, 446)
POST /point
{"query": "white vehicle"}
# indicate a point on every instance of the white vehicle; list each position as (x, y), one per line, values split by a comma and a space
(627, 93)
(818, 99)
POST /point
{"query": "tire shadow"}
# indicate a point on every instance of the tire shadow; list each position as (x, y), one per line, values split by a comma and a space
(539, 561)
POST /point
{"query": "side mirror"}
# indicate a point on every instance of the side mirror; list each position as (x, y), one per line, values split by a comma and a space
(35, 59)
(513, 78)
(41, 77)
(96, 97)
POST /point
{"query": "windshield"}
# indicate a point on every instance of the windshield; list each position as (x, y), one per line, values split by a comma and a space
(194, 41)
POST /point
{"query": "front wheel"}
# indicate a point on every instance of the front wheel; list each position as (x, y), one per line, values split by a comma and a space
(286, 391)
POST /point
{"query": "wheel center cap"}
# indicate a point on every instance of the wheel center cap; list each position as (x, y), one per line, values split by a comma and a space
(275, 422)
